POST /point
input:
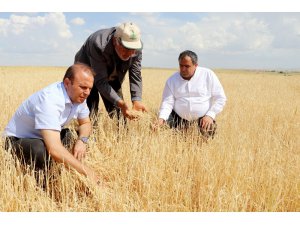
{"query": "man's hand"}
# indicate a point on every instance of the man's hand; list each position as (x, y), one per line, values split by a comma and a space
(61, 155)
(79, 150)
(157, 124)
(126, 111)
(139, 106)
(206, 123)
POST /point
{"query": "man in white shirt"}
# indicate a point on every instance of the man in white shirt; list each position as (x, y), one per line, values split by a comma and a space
(35, 131)
(194, 94)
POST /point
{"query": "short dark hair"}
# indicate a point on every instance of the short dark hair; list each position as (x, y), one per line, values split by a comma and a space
(190, 54)
(76, 66)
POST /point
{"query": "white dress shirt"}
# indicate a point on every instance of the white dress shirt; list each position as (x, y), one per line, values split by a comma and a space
(49, 108)
(202, 95)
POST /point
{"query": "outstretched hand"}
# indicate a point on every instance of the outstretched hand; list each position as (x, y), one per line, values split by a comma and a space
(157, 124)
(79, 150)
(206, 122)
(127, 113)
(139, 106)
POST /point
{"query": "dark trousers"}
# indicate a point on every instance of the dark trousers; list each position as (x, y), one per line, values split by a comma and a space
(175, 121)
(93, 101)
(32, 151)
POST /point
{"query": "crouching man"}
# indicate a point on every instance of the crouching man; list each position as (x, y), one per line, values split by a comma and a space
(192, 95)
(35, 132)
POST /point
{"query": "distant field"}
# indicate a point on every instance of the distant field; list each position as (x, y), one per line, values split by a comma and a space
(253, 163)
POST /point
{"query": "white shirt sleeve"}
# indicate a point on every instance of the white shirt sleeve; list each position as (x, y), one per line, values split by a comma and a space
(47, 115)
(218, 97)
(84, 111)
(167, 102)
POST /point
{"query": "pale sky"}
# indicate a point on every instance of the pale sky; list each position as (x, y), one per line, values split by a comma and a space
(249, 40)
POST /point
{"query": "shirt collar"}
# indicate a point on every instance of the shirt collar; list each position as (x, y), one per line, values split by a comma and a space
(67, 98)
(195, 74)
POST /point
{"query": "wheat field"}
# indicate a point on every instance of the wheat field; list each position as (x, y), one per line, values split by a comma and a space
(252, 165)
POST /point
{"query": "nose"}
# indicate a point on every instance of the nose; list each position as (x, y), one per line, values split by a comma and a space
(87, 92)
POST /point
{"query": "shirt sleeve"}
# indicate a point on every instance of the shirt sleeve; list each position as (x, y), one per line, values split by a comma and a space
(47, 115)
(167, 104)
(84, 111)
(218, 97)
(135, 78)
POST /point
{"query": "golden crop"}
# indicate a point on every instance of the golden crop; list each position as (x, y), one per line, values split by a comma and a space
(253, 164)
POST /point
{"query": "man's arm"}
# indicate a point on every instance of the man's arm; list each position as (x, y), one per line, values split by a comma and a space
(60, 154)
(136, 84)
(135, 78)
(84, 130)
(218, 97)
(167, 103)
(166, 107)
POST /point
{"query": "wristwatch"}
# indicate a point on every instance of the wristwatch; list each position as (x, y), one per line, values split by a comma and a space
(84, 140)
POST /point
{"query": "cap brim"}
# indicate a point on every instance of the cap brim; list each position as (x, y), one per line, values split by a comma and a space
(132, 45)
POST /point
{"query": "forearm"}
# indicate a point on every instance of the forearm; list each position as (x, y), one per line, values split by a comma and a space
(135, 79)
(217, 106)
(100, 66)
(136, 91)
(106, 90)
(84, 130)
(167, 104)
(122, 104)
(62, 155)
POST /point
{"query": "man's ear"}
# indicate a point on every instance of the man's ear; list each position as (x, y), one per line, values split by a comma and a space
(66, 82)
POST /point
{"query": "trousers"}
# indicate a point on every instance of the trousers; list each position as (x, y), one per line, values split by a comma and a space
(175, 121)
(93, 101)
(32, 151)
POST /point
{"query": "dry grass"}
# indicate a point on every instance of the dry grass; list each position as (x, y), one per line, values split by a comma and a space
(252, 165)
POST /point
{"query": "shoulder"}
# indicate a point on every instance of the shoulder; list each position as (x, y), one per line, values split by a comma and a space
(54, 93)
(205, 72)
(174, 79)
(175, 76)
(102, 37)
(54, 89)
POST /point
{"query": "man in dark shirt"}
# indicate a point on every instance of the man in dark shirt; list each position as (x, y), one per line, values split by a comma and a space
(111, 53)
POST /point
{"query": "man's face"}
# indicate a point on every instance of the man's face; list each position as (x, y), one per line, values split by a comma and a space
(187, 68)
(123, 53)
(80, 87)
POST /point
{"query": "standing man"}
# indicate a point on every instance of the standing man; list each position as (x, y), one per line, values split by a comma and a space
(111, 53)
(194, 94)
(35, 131)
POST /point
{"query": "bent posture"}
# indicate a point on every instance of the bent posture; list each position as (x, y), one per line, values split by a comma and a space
(36, 132)
(113, 52)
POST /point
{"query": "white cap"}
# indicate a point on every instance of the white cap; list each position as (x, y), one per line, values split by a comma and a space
(130, 35)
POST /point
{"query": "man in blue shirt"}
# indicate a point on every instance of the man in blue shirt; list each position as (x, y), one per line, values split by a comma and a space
(35, 131)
